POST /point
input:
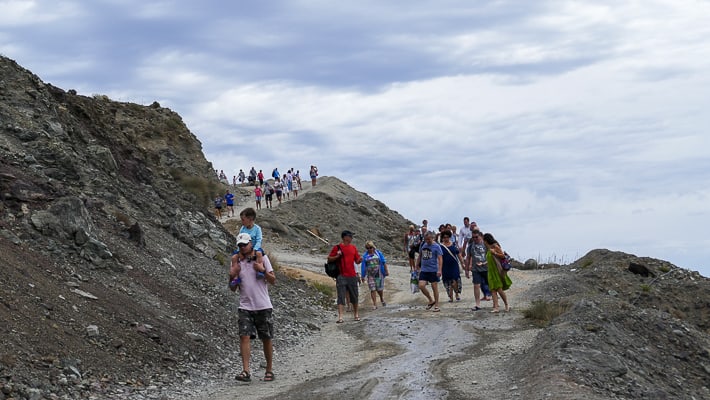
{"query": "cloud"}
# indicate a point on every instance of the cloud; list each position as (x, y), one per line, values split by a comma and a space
(560, 126)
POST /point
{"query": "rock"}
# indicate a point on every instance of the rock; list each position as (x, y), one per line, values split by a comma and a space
(531, 264)
(92, 330)
(84, 294)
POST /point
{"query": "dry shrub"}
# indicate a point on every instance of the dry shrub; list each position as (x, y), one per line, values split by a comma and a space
(543, 312)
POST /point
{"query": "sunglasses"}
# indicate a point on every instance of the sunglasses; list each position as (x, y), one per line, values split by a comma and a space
(242, 245)
(369, 248)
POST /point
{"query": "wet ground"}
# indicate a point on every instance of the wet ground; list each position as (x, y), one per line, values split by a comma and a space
(401, 351)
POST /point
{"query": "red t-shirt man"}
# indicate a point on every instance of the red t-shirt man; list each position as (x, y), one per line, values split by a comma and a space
(347, 283)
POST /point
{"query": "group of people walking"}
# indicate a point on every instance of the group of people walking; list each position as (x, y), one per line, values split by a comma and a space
(280, 186)
(373, 270)
(441, 257)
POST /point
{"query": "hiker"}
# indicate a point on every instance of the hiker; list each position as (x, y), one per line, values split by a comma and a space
(429, 264)
(278, 188)
(298, 179)
(314, 174)
(218, 201)
(464, 235)
(451, 264)
(229, 198)
(268, 194)
(373, 271)
(252, 176)
(477, 266)
(255, 310)
(288, 183)
(260, 176)
(242, 177)
(257, 194)
(275, 173)
(248, 216)
(347, 282)
(498, 280)
(412, 239)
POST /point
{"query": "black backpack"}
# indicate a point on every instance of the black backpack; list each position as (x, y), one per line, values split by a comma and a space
(332, 269)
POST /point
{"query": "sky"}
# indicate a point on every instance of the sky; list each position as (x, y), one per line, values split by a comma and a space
(558, 126)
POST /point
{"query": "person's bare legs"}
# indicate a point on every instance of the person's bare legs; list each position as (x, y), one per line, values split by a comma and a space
(245, 349)
(268, 354)
(373, 294)
(340, 312)
(355, 304)
(435, 289)
(477, 294)
(425, 292)
(494, 293)
(505, 300)
(382, 296)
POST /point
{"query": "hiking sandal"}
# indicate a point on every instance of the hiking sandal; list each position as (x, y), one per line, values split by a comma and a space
(243, 377)
(269, 376)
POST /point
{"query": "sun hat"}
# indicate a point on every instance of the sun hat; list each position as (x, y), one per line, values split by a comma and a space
(243, 238)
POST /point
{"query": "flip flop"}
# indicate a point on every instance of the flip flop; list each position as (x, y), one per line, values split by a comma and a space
(429, 306)
(476, 308)
(495, 311)
(340, 321)
(436, 309)
(357, 319)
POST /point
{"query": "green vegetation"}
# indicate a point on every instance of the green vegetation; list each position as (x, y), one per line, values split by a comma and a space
(664, 268)
(203, 189)
(221, 258)
(587, 263)
(543, 312)
(325, 289)
(645, 287)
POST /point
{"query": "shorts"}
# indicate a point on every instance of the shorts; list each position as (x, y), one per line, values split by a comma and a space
(412, 253)
(259, 322)
(480, 277)
(428, 277)
(347, 285)
(269, 197)
(258, 198)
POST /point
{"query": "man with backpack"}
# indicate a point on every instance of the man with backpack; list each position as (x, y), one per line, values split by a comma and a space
(348, 281)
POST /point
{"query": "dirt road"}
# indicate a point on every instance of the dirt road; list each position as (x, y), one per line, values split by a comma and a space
(400, 351)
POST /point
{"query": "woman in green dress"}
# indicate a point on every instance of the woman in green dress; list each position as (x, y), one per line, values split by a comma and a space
(498, 280)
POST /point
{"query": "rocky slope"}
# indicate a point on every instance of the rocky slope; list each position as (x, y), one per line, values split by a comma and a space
(113, 269)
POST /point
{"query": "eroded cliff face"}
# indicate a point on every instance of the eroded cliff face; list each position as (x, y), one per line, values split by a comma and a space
(112, 269)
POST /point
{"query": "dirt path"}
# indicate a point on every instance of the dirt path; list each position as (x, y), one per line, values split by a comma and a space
(398, 351)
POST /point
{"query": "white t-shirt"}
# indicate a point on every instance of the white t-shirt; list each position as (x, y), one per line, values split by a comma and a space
(464, 233)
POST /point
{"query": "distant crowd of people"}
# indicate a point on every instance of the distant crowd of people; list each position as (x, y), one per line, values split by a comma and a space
(281, 186)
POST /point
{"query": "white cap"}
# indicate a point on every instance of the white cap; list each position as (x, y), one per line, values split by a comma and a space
(243, 238)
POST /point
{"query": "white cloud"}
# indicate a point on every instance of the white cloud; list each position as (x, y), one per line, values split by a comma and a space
(560, 126)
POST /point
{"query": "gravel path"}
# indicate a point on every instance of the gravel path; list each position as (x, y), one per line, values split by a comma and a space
(398, 351)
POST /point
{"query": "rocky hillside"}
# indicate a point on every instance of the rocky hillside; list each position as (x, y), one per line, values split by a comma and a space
(113, 269)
